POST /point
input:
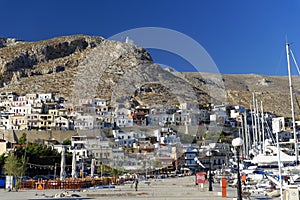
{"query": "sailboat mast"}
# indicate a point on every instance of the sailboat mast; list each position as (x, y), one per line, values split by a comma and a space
(258, 126)
(255, 120)
(246, 134)
(263, 127)
(287, 47)
(252, 126)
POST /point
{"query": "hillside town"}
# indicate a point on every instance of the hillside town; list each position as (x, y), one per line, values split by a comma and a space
(119, 138)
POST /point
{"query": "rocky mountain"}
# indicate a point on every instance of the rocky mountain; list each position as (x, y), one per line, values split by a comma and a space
(5, 42)
(81, 66)
(272, 91)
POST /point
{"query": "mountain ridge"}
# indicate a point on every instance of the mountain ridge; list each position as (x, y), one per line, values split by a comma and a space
(91, 66)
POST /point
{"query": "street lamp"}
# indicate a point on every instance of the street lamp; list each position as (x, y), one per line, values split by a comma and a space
(237, 143)
(209, 154)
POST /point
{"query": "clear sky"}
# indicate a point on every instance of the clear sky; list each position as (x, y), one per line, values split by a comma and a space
(241, 36)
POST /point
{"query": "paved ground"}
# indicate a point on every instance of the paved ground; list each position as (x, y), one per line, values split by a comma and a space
(183, 188)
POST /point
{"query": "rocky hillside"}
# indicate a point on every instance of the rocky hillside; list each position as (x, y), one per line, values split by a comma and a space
(5, 42)
(83, 66)
(272, 91)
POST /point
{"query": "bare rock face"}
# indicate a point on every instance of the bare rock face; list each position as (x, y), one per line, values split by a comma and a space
(116, 71)
(39, 58)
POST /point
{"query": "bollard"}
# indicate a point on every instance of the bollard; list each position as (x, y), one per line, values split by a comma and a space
(223, 186)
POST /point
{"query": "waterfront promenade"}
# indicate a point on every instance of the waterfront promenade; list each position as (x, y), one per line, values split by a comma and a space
(179, 188)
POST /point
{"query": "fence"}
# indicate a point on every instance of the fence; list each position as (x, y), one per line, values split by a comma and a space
(57, 184)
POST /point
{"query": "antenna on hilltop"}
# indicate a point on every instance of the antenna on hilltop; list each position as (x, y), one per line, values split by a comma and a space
(128, 41)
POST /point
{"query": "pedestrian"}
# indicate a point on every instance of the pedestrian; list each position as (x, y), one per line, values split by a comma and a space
(244, 179)
(136, 182)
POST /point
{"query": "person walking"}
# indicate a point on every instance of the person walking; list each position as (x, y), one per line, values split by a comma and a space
(136, 182)
(244, 179)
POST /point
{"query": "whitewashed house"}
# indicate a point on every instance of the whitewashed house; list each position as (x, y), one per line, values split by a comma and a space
(37, 108)
(20, 101)
(219, 116)
(99, 102)
(166, 136)
(123, 118)
(101, 107)
(4, 122)
(18, 122)
(84, 122)
(44, 97)
(188, 106)
(45, 121)
(21, 110)
(6, 104)
(61, 123)
(31, 98)
(124, 139)
(124, 121)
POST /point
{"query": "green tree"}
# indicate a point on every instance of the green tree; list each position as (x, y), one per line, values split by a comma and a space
(40, 155)
(14, 166)
(23, 139)
(67, 142)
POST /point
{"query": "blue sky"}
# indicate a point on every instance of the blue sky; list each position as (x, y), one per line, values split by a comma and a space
(240, 36)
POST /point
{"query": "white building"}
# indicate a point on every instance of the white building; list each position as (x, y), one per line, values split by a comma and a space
(5, 122)
(166, 136)
(44, 97)
(127, 139)
(31, 98)
(21, 101)
(61, 123)
(124, 121)
(189, 106)
(99, 102)
(84, 122)
(21, 110)
(159, 119)
(219, 116)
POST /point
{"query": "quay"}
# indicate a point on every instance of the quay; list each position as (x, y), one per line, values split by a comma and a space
(177, 188)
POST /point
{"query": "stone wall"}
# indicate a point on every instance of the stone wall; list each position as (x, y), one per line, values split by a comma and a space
(36, 136)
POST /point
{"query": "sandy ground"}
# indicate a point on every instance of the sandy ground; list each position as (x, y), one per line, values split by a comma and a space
(182, 188)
